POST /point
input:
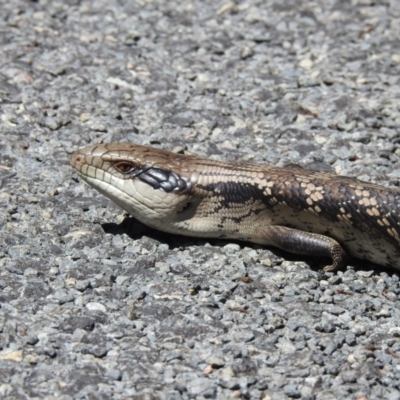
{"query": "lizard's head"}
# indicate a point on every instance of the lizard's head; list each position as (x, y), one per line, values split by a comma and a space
(143, 181)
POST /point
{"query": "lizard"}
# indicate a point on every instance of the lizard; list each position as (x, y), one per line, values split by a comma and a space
(298, 210)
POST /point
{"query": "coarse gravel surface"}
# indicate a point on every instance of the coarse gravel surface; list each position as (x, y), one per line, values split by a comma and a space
(94, 305)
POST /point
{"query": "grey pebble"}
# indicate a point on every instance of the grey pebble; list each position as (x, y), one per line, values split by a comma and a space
(351, 339)
(292, 391)
(229, 383)
(31, 340)
(349, 376)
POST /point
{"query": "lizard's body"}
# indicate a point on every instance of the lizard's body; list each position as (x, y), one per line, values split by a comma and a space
(298, 210)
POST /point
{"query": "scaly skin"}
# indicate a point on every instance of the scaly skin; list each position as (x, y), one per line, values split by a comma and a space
(298, 210)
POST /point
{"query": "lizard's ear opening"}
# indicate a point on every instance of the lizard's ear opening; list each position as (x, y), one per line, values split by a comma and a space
(188, 210)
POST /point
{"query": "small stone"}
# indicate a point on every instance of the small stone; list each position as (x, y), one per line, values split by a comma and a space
(292, 391)
(52, 123)
(82, 285)
(11, 355)
(268, 328)
(85, 117)
(228, 6)
(227, 372)
(229, 383)
(113, 374)
(349, 376)
(30, 359)
(262, 384)
(359, 329)
(306, 63)
(383, 312)
(350, 339)
(248, 336)
(394, 331)
(70, 282)
(351, 359)
(5, 390)
(335, 310)
(197, 386)
(347, 127)
(231, 248)
(396, 58)
(98, 127)
(31, 340)
(93, 306)
(246, 53)
(208, 369)
(216, 362)
(63, 297)
(98, 351)
(48, 351)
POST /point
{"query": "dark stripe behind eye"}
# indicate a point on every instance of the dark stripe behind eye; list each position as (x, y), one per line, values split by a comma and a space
(149, 180)
(158, 174)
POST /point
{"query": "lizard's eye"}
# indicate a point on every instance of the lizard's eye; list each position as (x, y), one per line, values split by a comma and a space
(124, 167)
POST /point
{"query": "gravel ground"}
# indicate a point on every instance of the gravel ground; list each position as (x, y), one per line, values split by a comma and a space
(93, 305)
